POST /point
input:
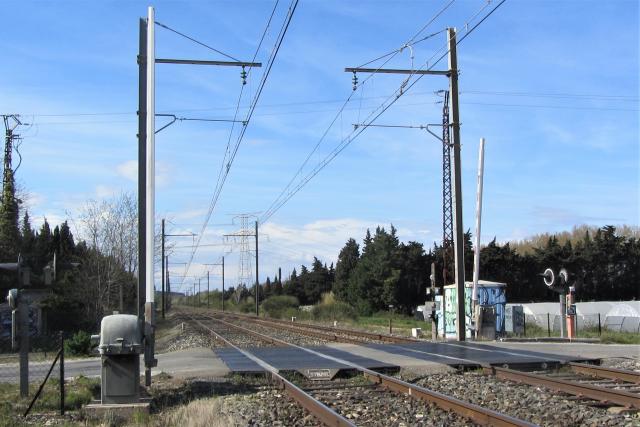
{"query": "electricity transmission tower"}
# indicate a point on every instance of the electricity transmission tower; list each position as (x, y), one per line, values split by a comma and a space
(245, 273)
(244, 269)
(447, 208)
(11, 122)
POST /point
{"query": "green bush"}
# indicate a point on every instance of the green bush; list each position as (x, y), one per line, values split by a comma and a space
(279, 305)
(334, 311)
(246, 306)
(79, 344)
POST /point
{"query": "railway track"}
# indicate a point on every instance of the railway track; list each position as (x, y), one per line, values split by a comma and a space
(612, 389)
(324, 332)
(615, 387)
(381, 383)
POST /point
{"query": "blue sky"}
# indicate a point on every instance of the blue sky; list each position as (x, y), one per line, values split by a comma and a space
(551, 85)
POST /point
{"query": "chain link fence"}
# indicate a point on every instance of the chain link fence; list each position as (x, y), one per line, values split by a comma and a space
(591, 323)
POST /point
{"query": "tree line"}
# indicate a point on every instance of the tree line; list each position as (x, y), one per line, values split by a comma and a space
(602, 263)
(94, 276)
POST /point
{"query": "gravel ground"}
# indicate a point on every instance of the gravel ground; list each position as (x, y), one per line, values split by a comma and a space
(371, 405)
(536, 405)
(285, 335)
(318, 341)
(622, 363)
(268, 408)
(365, 405)
(178, 333)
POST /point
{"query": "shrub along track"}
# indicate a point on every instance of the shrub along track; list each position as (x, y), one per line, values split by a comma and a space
(389, 401)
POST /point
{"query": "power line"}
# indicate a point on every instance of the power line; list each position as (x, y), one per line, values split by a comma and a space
(265, 75)
(358, 131)
(226, 165)
(559, 95)
(391, 55)
(197, 41)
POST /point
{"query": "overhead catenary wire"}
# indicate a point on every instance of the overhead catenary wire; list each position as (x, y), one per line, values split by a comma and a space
(225, 164)
(338, 114)
(374, 115)
(463, 92)
(274, 52)
(196, 41)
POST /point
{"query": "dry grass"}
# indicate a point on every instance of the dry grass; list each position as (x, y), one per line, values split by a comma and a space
(198, 413)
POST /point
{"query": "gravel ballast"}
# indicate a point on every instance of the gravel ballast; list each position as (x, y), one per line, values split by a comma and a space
(533, 404)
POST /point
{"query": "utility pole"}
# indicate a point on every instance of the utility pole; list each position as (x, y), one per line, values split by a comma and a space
(222, 264)
(222, 283)
(146, 176)
(162, 258)
(164, 236)
(434, 318)
(458, 241)
(166, 266)
(452, 73)
(257, 276)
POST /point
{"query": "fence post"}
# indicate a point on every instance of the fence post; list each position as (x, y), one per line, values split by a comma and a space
(61, 373)
(599, 326)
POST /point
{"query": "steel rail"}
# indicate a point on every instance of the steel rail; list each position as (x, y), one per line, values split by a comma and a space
(601, 394)
(302, 331)
(476, 413)
(322, 412)
(611, 373)
(373, 335)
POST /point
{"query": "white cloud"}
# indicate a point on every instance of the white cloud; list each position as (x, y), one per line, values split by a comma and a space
(128, 170)
(105, 191)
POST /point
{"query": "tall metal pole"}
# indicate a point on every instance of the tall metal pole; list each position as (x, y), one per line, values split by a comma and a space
(23, 326)
(166, 266)
(223, 283)
(142, 168)
(434, 323)
(149, 308)
(476, 255)
(207, 288)
(163, 276)
(198, 292)
(257, 275)
(458, 235)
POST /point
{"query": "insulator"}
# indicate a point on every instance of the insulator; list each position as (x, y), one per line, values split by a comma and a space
(355, 81)
(243, 76)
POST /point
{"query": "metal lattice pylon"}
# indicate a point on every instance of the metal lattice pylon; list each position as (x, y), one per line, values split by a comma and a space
(245, 273)
(447, 208)
(10, 138)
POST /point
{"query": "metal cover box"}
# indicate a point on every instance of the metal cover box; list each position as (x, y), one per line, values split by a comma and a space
(120, 334)
(514, 319)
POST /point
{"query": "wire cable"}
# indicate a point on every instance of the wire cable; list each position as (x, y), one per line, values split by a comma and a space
(270, 62)
(338, 114)
(374, 115)
(196, 41)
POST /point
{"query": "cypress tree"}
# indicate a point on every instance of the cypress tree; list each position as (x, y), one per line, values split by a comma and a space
(9, 233)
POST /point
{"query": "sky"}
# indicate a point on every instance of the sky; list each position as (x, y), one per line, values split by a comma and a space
(551, 85)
